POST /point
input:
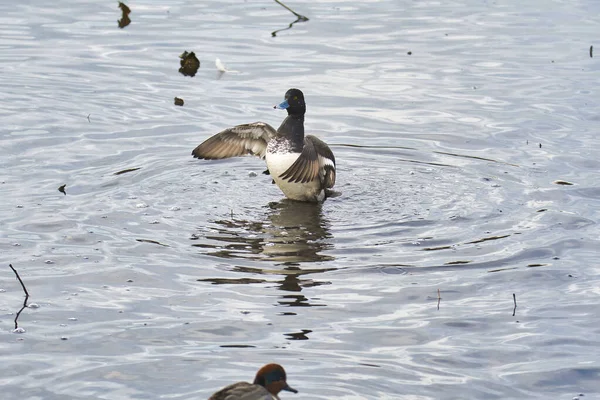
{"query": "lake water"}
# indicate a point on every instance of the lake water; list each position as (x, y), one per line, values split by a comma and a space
(466, 139)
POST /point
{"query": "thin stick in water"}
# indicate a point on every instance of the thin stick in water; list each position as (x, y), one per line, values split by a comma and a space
(515, 300)
(299, 16)
(26, 296)
(439, 299)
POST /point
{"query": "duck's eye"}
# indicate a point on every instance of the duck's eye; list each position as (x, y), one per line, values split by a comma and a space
(295, 97)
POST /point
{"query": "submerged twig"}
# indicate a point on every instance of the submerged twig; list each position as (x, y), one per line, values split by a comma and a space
(26, 296)
(515, 300)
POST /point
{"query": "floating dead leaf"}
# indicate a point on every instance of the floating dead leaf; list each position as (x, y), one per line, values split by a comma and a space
(61, 189)
(126, 171)
(559, 182)
(124, 21)
(178, 101)
(189, 63)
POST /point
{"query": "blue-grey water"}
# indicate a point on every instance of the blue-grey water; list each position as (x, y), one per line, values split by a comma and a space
(467, 146)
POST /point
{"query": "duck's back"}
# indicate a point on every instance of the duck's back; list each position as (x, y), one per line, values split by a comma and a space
(242, 391)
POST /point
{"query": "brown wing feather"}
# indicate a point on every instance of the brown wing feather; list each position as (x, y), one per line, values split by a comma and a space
(241, 391)
(316, 158)
(303, 169)
(236, 141)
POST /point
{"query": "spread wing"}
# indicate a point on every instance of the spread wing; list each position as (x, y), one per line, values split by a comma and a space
(316, 160)
(237, 141)
(242, 391)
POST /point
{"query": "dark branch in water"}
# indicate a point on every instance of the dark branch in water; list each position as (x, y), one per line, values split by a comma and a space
(515, 300)
(26, 295)
(439, 299)
(299, 18)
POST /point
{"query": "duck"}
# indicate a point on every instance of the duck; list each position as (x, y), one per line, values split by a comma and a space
(269, 381)
(302, 166)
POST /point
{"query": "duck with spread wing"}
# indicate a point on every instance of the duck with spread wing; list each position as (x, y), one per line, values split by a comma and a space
(303, 166)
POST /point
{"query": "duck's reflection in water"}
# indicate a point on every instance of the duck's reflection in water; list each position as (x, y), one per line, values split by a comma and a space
(292, 233)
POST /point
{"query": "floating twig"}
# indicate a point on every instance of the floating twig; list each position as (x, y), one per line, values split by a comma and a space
(26, 296)
(515, 300)
(591, 51)
(299, 18)
(126, 171)
(439, 299)
(61, 189)
(88, 118)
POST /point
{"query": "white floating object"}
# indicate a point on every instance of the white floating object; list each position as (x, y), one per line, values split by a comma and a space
(221, 67)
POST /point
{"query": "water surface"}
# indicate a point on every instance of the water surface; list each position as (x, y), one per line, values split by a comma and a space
(453, 125)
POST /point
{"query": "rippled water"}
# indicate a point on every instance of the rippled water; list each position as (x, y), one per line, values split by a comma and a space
(455, 126)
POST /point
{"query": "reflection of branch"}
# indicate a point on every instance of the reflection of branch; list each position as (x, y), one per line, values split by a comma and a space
(515, 300)
(26, 295)
(299, 18)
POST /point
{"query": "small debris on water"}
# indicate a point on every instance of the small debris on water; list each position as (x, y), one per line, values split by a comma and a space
(124, 172)
(141, 205)
(34, 305)
(559, 182)
(174, 208)
(178, 101)
(61, 189)
(49, 262)
(189, 63)
(591, 51)
(252, 174)
(409, 53)
(124, 21)
(220, 66)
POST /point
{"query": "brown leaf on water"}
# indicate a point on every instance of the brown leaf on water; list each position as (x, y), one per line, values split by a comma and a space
(61, 189)
(178, 101)
(189, 63)
(124, 21)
